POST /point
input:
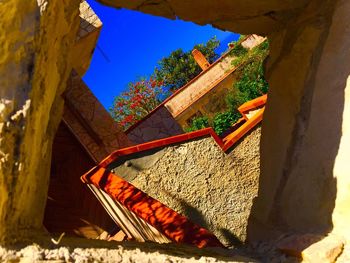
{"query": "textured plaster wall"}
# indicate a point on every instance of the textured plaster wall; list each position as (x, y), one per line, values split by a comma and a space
(211, 188)
(36, 37)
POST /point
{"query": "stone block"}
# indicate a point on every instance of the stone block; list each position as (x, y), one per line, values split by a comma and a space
(312, 248)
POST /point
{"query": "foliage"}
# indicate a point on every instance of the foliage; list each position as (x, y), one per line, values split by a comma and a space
(180, 67)
(224, 120)
(238, 50)
(198, 124)
(250, 85)
(137, 101)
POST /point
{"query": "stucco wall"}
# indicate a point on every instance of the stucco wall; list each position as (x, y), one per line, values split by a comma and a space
(199, 86)
(210, 104)
(157, 125)
(198, 180)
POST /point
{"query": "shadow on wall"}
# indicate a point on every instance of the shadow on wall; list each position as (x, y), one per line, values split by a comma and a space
(303, 198)
(196, 216)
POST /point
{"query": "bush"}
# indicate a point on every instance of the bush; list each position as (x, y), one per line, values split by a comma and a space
(250, 85)
(252, 82)
(198, 124)
(223, 121)
(238, 50)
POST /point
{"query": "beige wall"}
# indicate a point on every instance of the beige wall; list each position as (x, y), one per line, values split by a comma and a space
(305, 161)
(211, 103)
(304, 135)
(199, 86)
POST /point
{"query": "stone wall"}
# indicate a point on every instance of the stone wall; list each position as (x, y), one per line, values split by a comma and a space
(86, 39)
(305, 131)
(213, 189)
(243, 16)
(88, 120)
(36, 43)
(305, 171)
(157, 125)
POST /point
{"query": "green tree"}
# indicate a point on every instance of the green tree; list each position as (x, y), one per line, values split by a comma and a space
(180, 67)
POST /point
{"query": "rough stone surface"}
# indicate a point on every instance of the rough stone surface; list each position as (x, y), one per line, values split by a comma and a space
(305, 137)
(312, 248)
(211, 188)
(98, 251)
(86, 39)
(90, 122)
(304, 182)
(326, 250)
(344, 257)
(158, 125)
(244, 16)
(36, 39)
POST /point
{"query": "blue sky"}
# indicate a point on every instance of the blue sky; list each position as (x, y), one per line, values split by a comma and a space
(131, 44)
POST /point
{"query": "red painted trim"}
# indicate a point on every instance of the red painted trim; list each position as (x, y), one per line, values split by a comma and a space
(173, 225)
(231, 139)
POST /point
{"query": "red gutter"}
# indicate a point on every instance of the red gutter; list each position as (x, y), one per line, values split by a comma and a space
(234, 137)
(161, 143)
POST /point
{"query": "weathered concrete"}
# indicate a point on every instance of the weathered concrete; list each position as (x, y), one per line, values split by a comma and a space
(213, 189)
(83, 250)
(305, 171)
(36, 38)
(244, 16)
(157, 125)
